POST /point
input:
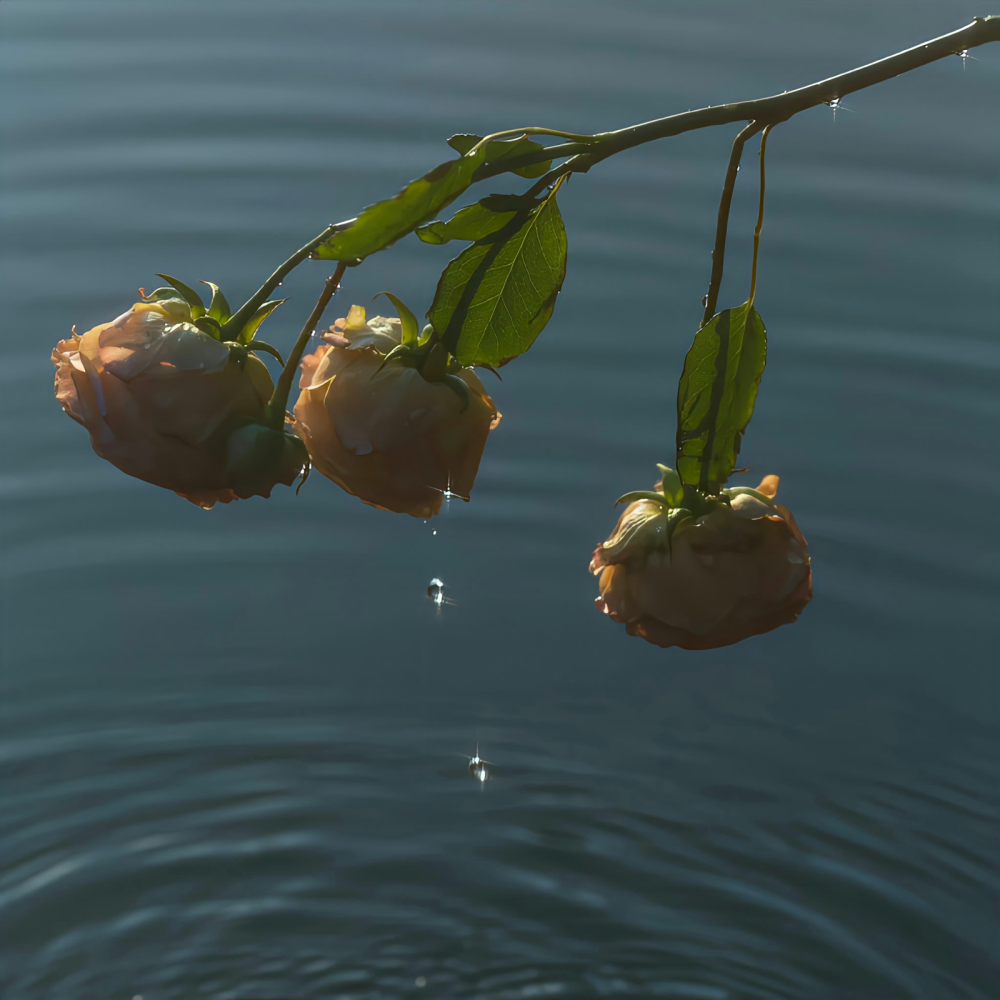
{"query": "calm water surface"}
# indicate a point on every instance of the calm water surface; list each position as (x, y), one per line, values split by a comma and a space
(230, 750)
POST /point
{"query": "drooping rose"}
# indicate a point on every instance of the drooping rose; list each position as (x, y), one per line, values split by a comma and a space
(740, 569)
(168, 404)
(393, 434)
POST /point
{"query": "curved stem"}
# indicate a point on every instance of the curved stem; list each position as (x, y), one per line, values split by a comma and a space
(760, 218)
(274, 413)
(722, 226)
(532, 130)
(239, 319)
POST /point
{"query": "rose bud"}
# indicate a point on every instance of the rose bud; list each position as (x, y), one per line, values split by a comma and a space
(172, 405)
(398, 432)
(700, 572)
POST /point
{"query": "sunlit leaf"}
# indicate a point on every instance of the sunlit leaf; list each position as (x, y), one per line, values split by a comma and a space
(476, 221)
(500, 149)
(716, 395)
(383, 223)
(495, 298)
(188, 294)
(246, 334)
(218, 308)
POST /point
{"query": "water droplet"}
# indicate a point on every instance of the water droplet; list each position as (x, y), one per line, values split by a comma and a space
(435, 591)
(477, 767)
(420, 982)
(434, 532)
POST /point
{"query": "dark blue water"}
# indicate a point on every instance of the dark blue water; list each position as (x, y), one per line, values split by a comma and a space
(230, 750)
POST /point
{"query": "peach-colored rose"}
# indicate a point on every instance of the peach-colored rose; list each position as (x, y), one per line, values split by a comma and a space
(163, 402)
(389, 436)
(741, 569)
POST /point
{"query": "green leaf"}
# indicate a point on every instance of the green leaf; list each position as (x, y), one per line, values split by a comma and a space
(189, 295)
(219, 307)
(716, 395)
(383, 223)
(410, 327)
(246, 334)
(476, 221)
(500, 149)
(495, 298)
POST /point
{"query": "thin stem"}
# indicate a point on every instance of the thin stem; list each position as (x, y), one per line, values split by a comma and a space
(722, 226)
(275, 410)
(767, 110)
(760, 218)
(549, 179)
(239, 319)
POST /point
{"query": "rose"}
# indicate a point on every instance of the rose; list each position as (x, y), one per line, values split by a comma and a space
(395, 435)
(171, 405)
(738, 570)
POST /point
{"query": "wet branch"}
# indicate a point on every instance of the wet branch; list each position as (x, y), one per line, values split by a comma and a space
(766, 110)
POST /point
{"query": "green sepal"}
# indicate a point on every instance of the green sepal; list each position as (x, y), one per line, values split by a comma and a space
(253, 324)
(237, 352)
(188, 294)
(458, 386)
(642, 495)
(736, 491)
(396, 352)
(671, 485)
(259, 345)
(435, 365)
(161, 294)
(411, 330)
(218, 308)
(210, 326)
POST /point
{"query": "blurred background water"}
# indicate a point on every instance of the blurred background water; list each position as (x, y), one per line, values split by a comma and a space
(230, 750)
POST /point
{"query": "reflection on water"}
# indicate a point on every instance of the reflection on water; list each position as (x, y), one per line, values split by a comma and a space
(228, 746)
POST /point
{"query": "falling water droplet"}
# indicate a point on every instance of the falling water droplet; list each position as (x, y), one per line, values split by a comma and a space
(477, 767)
(435, 591)
(434, 532)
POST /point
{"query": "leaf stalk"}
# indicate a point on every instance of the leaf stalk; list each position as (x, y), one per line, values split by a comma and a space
(274, 413)
(722, 225)
(760, 218)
